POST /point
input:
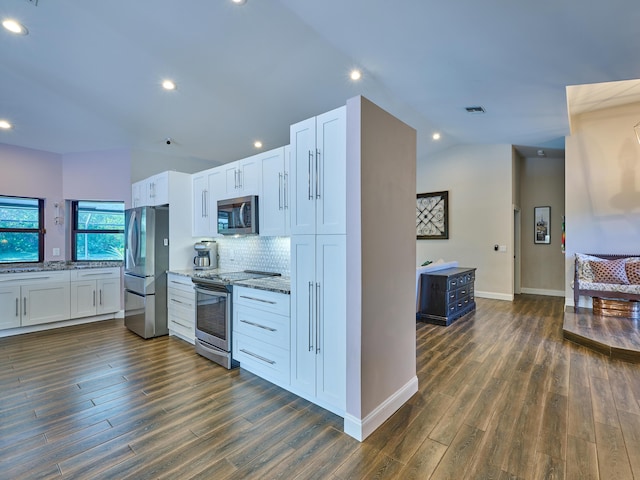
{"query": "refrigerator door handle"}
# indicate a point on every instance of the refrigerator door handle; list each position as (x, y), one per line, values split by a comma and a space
(132, 241)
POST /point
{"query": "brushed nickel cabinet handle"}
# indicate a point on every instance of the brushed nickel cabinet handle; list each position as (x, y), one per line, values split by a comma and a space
(310, 313)
(24, 305)
(258, 299)
(309, 174)
(317, 173)
(259, 357)
(264, 327)
(317, 317)
(17, 307)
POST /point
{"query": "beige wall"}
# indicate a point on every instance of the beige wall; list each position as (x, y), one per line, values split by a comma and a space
(602, 186)
(381, 345)
(542, 265)
(479, 179)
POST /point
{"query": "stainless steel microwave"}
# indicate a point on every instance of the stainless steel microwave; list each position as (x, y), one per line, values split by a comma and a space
(238, 216)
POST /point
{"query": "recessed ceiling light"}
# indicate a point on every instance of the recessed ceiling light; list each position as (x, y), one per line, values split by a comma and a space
(15, 27)
(436, 136)
(257, 144)
(239, 2)
(168, 85)
(5, 125)
(355, 75)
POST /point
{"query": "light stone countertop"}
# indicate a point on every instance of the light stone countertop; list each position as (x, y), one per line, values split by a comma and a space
(55, 266)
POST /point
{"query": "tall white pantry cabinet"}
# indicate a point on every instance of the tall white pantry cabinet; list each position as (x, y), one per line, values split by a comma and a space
(353, 258)
(318, 259)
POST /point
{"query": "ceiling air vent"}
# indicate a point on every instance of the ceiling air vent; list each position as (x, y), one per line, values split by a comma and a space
(476, 109)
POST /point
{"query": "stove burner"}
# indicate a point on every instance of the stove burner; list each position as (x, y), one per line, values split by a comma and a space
(228, 278)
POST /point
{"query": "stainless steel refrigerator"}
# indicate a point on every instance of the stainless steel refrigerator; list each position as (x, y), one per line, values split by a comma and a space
(145, 270)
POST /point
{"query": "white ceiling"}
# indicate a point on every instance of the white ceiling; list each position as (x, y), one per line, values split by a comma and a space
(87, 77)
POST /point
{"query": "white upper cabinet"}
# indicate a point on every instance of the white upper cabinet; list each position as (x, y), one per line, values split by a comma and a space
(153, 191)
(274, 200)
(208, 187)
(243, 177)
(318, 174)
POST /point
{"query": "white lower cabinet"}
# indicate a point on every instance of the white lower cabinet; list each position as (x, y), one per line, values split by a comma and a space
(318, 326)
(181, 307)
(33, 298)
(261, 326)
(95, 291)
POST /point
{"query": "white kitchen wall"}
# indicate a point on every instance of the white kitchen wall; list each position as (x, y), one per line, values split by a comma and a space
(480, 184)
(267, 254)
(602, 186)
(145, 164)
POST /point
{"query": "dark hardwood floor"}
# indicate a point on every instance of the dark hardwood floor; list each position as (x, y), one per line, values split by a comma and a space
(501, 395)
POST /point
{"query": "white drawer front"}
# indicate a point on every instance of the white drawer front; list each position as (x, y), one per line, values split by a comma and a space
(181, 331)
(181, 299)
(94, 273)
(268, 361)
(262, 299)
(36, 277)
(179, 282)
(262, 326)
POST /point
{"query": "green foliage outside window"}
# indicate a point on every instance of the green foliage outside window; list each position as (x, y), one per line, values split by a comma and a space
(21, 233)
(98, 232)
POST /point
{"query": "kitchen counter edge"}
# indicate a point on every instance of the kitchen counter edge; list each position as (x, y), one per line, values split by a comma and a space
(56, 266)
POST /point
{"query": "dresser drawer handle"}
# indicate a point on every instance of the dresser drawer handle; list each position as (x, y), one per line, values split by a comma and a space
(259, 357)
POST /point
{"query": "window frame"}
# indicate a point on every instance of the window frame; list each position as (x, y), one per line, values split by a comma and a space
(75, 231)
(40, 230)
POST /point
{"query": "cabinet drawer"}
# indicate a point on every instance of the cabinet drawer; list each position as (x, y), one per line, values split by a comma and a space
(94, 274)
(179, 282)
(262, 299)
(181, 299)
(268, 361)
(263, 326)
(181, 327)
(44, 276)
(464, 291)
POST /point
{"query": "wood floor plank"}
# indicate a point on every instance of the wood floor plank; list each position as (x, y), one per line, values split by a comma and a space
(502, 391)
(582, 459)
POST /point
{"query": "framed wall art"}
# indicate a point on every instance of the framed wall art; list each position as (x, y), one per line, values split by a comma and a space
(542, 225)
(432, 216)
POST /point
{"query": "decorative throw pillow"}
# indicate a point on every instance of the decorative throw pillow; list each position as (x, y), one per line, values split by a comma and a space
(632, 270)
(609, 271)
(584, 269)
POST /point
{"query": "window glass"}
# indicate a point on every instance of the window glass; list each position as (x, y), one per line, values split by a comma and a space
(21, 232)
(98, 230)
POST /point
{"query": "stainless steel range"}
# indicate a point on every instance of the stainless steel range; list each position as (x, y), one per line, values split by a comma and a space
(214, 313)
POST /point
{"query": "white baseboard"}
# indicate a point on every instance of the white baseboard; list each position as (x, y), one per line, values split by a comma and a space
(49, 326)
(362, 428)
(495, 296)
(542, 291)
(119, 314)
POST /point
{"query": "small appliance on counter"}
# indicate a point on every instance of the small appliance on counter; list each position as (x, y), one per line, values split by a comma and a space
(207, 255)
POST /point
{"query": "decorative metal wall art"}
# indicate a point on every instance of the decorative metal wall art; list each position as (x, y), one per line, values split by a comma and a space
(432, 215)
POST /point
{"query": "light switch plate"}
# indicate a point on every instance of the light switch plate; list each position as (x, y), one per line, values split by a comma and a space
(56, 252)
(502, 248)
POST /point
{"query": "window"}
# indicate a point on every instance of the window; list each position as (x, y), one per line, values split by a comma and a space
(21, 229)
(98, 230)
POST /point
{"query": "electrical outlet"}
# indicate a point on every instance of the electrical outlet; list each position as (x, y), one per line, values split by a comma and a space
(232, 254)
(56, 252)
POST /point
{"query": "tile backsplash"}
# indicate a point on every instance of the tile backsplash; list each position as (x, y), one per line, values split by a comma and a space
(267, 254)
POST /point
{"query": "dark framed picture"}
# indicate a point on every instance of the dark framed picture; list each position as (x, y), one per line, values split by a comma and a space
(432, 216)
(542, 225)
